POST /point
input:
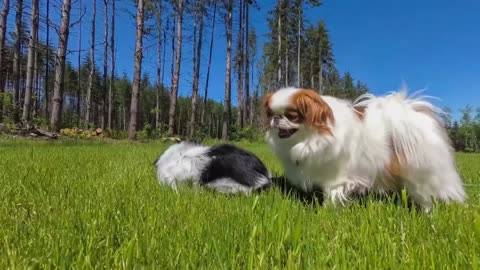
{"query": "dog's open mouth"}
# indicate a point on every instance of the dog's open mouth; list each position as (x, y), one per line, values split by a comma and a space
(285, 133)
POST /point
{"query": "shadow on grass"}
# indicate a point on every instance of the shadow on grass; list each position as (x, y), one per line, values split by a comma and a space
(317, 198)
(313, 198)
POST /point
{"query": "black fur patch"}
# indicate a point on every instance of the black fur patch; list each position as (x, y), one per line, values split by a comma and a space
(230, 161)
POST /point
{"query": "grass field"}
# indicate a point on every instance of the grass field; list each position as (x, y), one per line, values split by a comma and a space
(78, 204)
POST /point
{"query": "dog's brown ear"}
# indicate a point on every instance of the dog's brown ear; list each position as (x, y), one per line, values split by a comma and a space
(314, 110)
(266, 100)
(266, 109)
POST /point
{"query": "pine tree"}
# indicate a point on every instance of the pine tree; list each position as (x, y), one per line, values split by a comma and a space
(16, 58)
(88, 111)
(3, 29)
(158, 10)
(196, 74)
(32, 47)
(239, 66)
(246, 102)
(112, 69)
(227, 111)
(132, 126)
(251, 60)
(176, 73)
(205, 96)
(467, 130)
(47, 59)
(57, 104)
(348, 88)
(105, 63)
(79, 62)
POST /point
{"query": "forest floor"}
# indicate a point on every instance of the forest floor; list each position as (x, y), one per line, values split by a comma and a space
(88, 204)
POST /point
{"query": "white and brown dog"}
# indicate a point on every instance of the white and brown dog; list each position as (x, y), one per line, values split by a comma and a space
(374, 144)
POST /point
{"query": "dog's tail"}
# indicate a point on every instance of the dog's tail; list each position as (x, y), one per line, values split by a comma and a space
(416, 128)
(420, 143)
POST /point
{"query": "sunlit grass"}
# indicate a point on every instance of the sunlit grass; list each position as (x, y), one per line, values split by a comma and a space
(84, 204)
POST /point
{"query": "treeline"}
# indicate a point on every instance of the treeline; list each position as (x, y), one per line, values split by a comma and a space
(40, 85)
(300, 53)
(465, 132)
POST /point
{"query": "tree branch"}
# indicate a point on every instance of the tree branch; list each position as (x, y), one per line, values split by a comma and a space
(80, 19)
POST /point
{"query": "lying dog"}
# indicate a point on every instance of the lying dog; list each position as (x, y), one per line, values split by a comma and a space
(224, 168)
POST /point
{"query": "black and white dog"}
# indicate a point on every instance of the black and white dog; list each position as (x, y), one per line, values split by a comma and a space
(224, 168)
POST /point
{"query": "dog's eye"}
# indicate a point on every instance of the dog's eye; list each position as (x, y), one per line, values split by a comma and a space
(291, 116)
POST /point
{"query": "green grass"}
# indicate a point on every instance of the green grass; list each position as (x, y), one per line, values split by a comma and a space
(81, 204)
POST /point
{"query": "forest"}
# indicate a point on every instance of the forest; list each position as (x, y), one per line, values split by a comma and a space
(48, 79)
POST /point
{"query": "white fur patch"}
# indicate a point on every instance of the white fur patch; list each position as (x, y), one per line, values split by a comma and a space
(182, 163)
(281, 99)
(228, 185)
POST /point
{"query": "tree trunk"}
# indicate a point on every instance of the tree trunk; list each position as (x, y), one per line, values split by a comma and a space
(320, 72)
(112, 68)
(172, 57)
(32, 47)
(79, 81)
(176, 75)
(253, 103)
(312, 80)
(124, 117)
(286, 64)
(216, 127)
(240, 67)
(194, 54)
(92, 67)
(47, 59)
(56, 117)
(210, 127)
(299, 82)
(279, 40)
(204, 109)
(105, 63)
(36, 85)
(179, 120)
(219, 127)
(193, 116)
(247, 112)
(163, 63)
(132, 125)
(227, 111)
(3, 28)
(254, 98)
(159, 63)
(16, 59)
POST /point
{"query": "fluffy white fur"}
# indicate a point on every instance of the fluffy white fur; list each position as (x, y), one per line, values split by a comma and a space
(355, 158)
(181, 163)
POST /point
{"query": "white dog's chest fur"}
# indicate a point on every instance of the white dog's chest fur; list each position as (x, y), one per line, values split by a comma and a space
(302, 170)
(308, 175)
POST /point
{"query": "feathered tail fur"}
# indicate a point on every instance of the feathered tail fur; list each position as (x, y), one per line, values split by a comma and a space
(419, 142)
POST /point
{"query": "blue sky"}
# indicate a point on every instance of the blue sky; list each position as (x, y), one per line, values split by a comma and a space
(426, 44)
